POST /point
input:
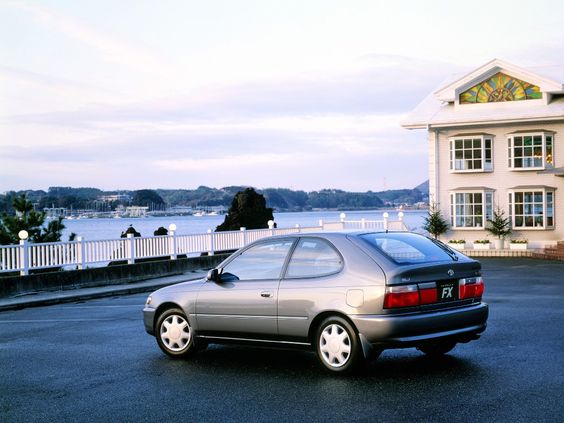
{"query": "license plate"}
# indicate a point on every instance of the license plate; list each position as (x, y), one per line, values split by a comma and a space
(447, 291)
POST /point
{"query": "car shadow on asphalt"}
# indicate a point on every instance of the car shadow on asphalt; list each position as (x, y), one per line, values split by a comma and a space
(392, 364)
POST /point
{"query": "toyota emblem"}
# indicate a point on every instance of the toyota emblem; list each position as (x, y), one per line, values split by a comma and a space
(450, 272)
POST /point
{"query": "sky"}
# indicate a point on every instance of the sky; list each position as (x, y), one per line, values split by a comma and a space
(304, 94)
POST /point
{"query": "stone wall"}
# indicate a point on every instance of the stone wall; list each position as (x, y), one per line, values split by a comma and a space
(101, 276)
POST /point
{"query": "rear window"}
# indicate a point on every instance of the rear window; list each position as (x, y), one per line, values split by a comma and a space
(406, 248)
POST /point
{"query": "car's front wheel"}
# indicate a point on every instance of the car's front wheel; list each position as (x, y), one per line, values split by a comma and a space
(436, 349)
(338, 347)
(174, 333)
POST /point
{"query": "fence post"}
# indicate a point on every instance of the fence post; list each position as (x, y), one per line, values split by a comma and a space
(298, 227)
(343, 216)
(172, 245)
(131, 240)
(81, 250)
(386, 215)
(321, 223)
(211, 248)
(24, 257)
(244, 233)
(363, 223)
(271, 227)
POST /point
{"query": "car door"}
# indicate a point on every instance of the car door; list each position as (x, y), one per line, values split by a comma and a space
(244, 301)
(308, 286)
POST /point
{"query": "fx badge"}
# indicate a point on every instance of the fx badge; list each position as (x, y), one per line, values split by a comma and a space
(450, 272)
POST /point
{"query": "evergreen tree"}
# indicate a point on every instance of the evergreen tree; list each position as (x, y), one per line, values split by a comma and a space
(500, 225)
(435, 224)
(26, 218)
(248, 209)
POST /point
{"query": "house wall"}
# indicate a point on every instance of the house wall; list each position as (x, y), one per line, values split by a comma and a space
(501, 179)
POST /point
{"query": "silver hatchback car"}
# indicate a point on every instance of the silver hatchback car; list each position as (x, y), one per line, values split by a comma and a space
(347, 296)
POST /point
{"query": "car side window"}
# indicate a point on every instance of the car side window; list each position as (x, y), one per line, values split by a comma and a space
(314, 257)
(262, 261)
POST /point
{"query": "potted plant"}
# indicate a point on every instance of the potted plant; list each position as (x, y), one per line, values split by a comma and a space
(482, 244)
(518, 244)
(458, 244)
(435, 224)
(499, 226)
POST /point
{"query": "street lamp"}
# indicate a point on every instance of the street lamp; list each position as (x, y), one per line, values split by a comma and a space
(23, 235)
(172, 227)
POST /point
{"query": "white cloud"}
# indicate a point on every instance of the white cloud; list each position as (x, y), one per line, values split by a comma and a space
(108, 47)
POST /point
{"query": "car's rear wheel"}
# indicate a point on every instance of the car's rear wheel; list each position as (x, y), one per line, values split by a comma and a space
(174, 333)
(436, 349)
(337, 343)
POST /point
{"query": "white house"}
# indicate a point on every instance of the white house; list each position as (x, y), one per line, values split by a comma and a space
(496, 140)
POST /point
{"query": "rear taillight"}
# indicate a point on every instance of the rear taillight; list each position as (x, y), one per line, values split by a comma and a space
(401, 296)
(471, 288)
(426, 293)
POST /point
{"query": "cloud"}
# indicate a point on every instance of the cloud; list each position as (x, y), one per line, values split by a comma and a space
(109, 47)
(339, 130)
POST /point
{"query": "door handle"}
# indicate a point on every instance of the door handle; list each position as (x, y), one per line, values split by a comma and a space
(266, 294)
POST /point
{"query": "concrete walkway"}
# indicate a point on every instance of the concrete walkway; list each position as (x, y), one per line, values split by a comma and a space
(37, 299)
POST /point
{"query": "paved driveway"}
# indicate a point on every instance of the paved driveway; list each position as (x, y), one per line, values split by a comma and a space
(92, 361)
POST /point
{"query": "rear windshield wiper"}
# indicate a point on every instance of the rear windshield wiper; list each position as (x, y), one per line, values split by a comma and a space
(446, 249)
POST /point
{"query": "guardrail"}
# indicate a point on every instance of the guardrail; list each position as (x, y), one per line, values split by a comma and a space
(82, 253)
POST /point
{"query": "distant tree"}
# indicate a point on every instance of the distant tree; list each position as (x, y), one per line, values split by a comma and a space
(435, 224)
(161, 231)
(148, 198)
(130, 230)
(30, 220)
(248, 209)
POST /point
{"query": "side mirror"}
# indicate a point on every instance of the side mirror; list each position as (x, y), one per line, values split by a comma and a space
(213, 275)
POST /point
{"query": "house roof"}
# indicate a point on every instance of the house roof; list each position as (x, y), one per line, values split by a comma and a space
(558, 171)
(441, 109)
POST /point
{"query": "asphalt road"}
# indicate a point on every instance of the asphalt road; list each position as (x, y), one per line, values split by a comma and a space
(92, 361)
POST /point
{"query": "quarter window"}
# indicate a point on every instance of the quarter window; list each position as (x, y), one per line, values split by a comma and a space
(314, 257)
(471, 154)
(530, 151)
(470, 209)
(532, 209)
(262, 261)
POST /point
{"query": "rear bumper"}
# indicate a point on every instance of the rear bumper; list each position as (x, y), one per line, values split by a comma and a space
(397, 331)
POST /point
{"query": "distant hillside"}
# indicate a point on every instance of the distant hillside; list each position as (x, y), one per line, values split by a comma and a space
(281, 199)
(423, 188)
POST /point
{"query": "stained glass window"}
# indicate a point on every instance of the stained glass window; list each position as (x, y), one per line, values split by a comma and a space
(500, 87)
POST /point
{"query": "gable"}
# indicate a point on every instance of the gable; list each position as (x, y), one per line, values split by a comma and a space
(500, 87)
(487, 73)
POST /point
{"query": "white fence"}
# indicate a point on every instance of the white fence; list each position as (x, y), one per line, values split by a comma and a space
(81, 253)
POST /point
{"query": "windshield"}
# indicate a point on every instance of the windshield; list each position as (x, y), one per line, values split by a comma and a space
(407, 248)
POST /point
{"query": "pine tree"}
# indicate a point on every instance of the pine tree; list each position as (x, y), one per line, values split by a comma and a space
(30, 220)
(435, 224)
(500, 225)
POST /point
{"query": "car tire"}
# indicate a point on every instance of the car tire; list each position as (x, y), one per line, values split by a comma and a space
(437, 349)
(337, 344)
(174, 333)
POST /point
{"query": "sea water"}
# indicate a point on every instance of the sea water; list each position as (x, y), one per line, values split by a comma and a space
(111, 228)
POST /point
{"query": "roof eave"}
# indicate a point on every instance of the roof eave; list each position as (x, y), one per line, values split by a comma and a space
(438, 125)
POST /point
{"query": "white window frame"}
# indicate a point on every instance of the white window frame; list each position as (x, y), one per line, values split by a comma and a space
(541, 214)
(486, 164)
(546, 159)
(467, 211)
